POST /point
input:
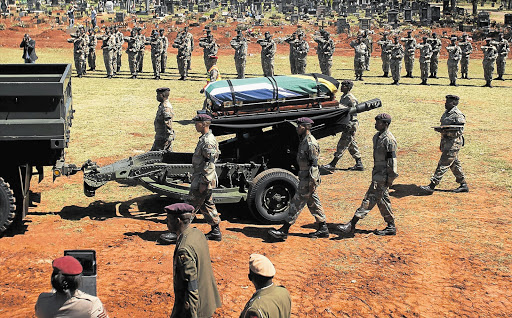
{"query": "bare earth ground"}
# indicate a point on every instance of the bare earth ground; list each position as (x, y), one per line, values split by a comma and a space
(449, 259)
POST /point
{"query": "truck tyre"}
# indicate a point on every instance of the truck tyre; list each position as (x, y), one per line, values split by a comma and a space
(7, 205)
(270, 194)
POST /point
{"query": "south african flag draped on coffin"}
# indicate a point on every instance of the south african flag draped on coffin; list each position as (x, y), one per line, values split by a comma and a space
(262, 89)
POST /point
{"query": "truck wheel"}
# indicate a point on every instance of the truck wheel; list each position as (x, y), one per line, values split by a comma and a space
(7, 206)
(270, 195)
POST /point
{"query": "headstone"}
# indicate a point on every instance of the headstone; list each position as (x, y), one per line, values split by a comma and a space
(3, 6)
(294, 19)
(446, 6)
(191, 6)
(407, 15)
(109, 6)
(435, 13)
(508, 19)
(364, 23)
(119, 16)
(392, 16)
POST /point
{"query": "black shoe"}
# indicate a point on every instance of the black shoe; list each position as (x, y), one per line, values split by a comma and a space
(348, 228)
(322, 232)
(358, 166)
(280, 234)
(428, 189)
(168, 238)
(134, 76)
(181, 78)
(462, 188)
(431, 76)
(395, 83)
(389, 230)
(423, 83)
(214, 234)
(109, 76)
(79, 76)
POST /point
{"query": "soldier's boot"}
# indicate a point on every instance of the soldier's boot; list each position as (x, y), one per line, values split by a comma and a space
(389, 230)
(358, 166)
(348, 228)
(429, 189)
(214, 234)
(331, 165)
(386, 74)
(487, 84)
(424, 82)
(462, 188)
(431, 75)
(395, 83)
(322, 232)
(280, 234)
(435, 75)
(168, 238)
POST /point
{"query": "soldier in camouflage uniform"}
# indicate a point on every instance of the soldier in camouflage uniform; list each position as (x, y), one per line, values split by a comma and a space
(301, 49)
(164, 134)
(132, 51)
(108, 47)
(93, 41)
(79, 48)
(425, 56)
(325, 50)
(347, 138)
(502, 48)
(490, 55)
(119, 49)
(268, 50)
(210, 48)
(190, 39)
(239, 43)
(309, 180)
(360, 52)
(156, 53)
(293, 59)
(454, 55)
(383, 174)
(86, 49)
(452, 140)
(466, 49)
(409, 51)
(182, 43)
(436, 44)
(367, 40)
(165, 46)
(142, 48)
(385, 53)
(397, 54)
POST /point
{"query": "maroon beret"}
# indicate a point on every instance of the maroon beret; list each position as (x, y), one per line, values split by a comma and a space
(304, 120)
(384, 117)
(68, 265)
(202, 117)
(179, 208)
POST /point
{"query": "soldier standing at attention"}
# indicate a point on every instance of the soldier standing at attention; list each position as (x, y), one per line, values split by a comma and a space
(409, 51)
(452, 140)
(86, 49)
(367, 40)
(454, 55)
(360, 51)
(142, 48)
(156, 53)
(239, 43)
(164, 134)
(79, 48)
(165, 46)
(93, 41)
(132, 51)
(182, 43)
(466, 49)
(397, 54)
(268, 50)
(190, 39)
(385, 53)
(425, 56)
(325, 50)
(347, 138)
(291, 41)
(269, 300)
(309, 180)
(502, 48)
(383, 174)
(436, 44)
(210, 49)
(195, 289)
(490, 55)
(108, 47)
(119, 48)
(301, 49)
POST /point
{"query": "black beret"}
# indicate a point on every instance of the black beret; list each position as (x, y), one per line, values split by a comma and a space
(179, 208)
(202, 117)
(384, 117)
(305, 120)
(453, 97)
(162, 89)
(347, 83)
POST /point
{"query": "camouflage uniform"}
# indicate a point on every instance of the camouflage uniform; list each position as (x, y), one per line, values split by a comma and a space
(451, 142)
(268, 50)
(182, 43)
(409, 50)
(367, 40)
(142, 49)
(132, 51)
(210, 48)
(268, 302)
(79, 48)
(385, 54)
(466, 49)
(203, 164)
(156, 54)
(325, 50)
(93, 41)
(360, 52)
(502, 48)
(490, 55)
(119, 50)
(309, 180)
(301, 49)
(108, 47)
(454, 55)
(293, 59)
(190, 39)
(434, 61)
(425, 56)
(165, 46)
(164, 134)
(86, 51)
(239, 43)
(347, 138)
(397, 54)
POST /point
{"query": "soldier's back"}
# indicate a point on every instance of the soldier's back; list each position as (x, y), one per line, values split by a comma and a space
(270, 302)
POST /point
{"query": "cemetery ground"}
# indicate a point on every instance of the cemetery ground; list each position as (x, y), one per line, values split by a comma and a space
(449, 257)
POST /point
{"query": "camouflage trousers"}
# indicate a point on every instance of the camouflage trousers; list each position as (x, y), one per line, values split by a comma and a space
(434, 62)
(449, 160)
(453, 69)
(240, 67)
(359, 67)
(367, 62)
(107, 58)
(325, 66)
(132, 62)
(183, 65)
(396, 68)
(425, 69)
(203, 202)
(79, 63)
(118, 59)
(156, 60)
(377, 194)
(293, 66)
(306, 195)
(464, 63)
(162, 143)
(140, 61)
(300, 65)
(268, 66)
(114, 61)
(163, 62)
(409, 63)
(208, 62)
(347, 141)
(501, 62)
(385, 63)
(92, 59)
(488, 69)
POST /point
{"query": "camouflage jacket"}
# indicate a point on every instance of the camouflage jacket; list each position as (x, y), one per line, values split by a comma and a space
(409, 46)
(384, 157)
(307, 158)
(385, 46)
(466, 49)
(349, 100)
(205, 156)
(397, 51)
(325, 49)
(268, 48)
(452, 117)
(163, 121)
(490, 53)
(436, 45)
(240, 46)
(454, 52)
(301, 49)
(425, 53)
(360, 51)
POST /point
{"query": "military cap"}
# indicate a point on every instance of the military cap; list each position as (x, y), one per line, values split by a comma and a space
(455, 97)
(202, 117)
(161, 30)
(179, 208)
(384, 117)
(409, 31)
(433, 33)
(453, 38)
(347, 83)
(67, 265)
(305, 120)
(162, 89)
(260, 265)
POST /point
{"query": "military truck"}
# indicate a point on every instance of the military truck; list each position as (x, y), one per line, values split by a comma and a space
(35, 119)
(257, 163)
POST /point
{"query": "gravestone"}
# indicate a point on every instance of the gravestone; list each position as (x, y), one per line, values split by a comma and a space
(407, 15)
(109, 6)
(435, 14)
(392, 16)
(364, 23)
(508, 19)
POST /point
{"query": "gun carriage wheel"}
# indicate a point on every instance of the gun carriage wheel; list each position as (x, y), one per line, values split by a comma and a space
(270, 194)
(7, 205)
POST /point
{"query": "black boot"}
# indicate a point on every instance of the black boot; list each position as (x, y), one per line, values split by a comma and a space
(322, 231)
(423, 83)
(428, 189)
(280, 234)
(386, 74)
(389, 230)
(332, 165)
(348, 228)
(168, 238)
(358, 166)
(214, 234)
(462, 188)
